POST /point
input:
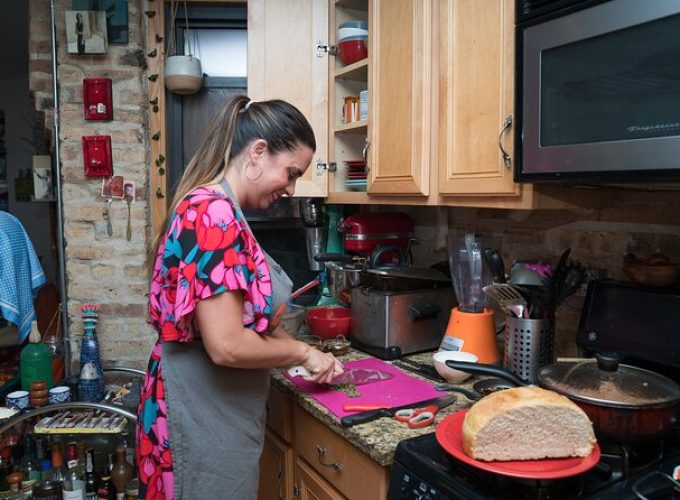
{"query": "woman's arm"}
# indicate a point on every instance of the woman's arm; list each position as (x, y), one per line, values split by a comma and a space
(228, 343)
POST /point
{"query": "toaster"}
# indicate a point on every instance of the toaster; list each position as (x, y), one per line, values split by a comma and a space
(391, 324)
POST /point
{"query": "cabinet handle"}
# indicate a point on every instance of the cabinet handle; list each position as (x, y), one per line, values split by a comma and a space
(507, 160)
(322, 453)
(364, 152)
(296, 491)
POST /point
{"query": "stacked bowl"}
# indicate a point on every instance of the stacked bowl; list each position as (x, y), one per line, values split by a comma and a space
(352, 41)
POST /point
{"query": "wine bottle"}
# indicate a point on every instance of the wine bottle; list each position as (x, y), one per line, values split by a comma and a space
(122, 473)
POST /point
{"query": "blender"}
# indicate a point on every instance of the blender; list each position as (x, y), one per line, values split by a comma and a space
(316, 224)
(471, 326)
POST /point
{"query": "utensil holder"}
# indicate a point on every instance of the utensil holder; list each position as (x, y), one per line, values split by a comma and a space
(528, 346)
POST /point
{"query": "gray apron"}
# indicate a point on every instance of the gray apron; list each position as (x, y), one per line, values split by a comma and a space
(216, 414)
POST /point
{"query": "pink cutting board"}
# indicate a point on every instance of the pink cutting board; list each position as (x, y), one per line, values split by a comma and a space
(399, 390)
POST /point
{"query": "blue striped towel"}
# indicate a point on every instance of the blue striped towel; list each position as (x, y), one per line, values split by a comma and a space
(21, 274)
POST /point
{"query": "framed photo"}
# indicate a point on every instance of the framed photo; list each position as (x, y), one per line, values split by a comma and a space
(86, 32)
(43, 186)
(116, 12)
(112, 187)
(129, 192)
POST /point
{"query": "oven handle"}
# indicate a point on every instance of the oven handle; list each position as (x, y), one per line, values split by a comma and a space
(507, 160)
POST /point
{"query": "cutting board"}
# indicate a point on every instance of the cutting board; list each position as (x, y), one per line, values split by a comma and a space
(401, 389)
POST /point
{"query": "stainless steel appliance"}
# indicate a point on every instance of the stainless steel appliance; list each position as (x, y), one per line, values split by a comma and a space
(640, 325)
(598, 87)
(390, 324)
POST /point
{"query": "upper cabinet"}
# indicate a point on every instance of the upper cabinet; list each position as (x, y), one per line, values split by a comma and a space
(438, 76)
(400, 98)
(283, 64)
(476, 97)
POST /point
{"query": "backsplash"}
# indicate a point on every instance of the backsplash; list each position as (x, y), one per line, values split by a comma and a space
(599, 237)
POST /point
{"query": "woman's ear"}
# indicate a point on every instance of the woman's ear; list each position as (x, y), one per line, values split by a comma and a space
(257, 149)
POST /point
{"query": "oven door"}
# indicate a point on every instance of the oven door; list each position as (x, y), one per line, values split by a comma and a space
(601, 93)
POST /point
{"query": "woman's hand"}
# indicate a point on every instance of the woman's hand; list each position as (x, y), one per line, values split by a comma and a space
(323, 367)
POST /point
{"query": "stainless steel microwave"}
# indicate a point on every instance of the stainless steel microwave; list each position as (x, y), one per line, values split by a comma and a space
(598, 90)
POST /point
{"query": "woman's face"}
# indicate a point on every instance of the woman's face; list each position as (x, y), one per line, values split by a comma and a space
(280, 171)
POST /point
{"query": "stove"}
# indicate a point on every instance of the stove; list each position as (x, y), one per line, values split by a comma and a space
(423, 470)
(611, 321)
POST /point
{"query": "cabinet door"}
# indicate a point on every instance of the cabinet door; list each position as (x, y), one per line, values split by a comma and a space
(400, 94)
(311, 486)
(283, 64)
(476, 71)
(276, 470)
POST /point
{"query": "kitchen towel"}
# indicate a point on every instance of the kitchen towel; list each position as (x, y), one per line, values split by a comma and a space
(401, 389)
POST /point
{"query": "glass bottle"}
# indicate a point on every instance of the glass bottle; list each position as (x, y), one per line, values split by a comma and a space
(35, 362)
(74, 482)
(90, 477)
(58, 469)
(46, 470)
(105, 489)
(29, 464)
(122, 473)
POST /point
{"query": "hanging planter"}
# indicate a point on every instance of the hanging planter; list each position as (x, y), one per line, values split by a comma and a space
(183, 73)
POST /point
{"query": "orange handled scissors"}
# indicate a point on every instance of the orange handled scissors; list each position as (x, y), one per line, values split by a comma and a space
(417, 417)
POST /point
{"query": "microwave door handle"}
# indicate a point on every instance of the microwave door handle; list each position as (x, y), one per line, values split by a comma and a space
(507, 160)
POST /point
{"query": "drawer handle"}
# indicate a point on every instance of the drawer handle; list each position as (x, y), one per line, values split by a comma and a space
(322, 453)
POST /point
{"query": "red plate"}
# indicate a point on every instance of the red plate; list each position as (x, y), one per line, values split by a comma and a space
(450, 438)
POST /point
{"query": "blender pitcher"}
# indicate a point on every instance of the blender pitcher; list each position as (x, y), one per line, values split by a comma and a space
(471, 325)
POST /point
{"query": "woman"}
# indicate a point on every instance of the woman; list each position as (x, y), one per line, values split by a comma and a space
(202, 411)
(80, 33)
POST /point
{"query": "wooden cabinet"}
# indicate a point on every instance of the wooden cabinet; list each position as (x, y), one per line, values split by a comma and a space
(313, 461)
(276, 469)
(309, 485)
(476, 97)
(400, 97)
(440, 82)
(283, 64)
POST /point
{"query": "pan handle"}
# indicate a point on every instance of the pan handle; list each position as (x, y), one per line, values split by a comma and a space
(482, 369)
(334, 257)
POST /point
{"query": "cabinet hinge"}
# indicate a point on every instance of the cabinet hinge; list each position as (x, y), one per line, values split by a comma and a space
(322, 49)
(331, 166)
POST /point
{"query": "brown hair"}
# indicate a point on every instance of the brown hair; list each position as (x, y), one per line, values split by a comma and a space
(239, 122)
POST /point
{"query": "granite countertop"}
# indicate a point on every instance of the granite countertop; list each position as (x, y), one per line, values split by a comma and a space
(377, 439)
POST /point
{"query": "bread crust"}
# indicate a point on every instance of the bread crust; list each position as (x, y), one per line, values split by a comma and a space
(500, 402)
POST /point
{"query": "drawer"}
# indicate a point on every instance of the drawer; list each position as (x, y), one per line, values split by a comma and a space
(280, 414)
(345, 467)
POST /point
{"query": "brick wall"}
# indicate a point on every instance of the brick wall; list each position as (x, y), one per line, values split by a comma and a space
(101, 268)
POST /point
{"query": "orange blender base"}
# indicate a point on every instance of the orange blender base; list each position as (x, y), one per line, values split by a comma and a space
(473, 332)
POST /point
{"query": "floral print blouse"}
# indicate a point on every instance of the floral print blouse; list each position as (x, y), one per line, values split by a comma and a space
(207, 249)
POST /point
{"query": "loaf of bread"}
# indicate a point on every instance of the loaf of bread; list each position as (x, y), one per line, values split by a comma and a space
(526, 423)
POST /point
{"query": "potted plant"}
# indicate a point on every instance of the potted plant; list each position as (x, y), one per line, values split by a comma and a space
(183, 73)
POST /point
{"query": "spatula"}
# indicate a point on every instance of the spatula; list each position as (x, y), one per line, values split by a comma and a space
(508, 297)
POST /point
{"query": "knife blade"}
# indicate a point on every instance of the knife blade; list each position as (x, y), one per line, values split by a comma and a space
(369, 416)
(356, 376)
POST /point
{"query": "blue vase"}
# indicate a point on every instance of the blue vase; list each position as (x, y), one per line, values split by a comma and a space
(89, 353)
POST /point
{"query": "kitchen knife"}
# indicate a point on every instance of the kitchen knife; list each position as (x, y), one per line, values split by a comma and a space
(356, 376)
(369, 416)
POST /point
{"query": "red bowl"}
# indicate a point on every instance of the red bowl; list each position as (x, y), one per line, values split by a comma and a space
(328, 322)
(351, 51)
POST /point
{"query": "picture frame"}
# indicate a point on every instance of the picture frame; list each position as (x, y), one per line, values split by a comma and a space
(43, 181)
(116, 12)
(86, 32)
(97, 100)
(112, 187)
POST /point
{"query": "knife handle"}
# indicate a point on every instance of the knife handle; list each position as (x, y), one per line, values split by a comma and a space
(362, 418)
